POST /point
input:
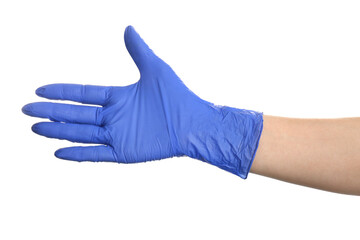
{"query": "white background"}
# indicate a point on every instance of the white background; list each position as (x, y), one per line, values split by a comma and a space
(286, 58)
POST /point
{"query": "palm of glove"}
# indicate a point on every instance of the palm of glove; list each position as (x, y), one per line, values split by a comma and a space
(144, 121)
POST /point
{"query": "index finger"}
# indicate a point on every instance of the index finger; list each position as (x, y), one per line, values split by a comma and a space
(88, 94)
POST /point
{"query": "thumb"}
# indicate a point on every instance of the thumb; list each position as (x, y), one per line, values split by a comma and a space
(138, 49)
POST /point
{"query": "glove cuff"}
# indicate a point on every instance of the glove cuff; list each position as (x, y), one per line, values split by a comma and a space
(227, 138)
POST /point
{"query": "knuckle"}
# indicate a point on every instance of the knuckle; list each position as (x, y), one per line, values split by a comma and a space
(98, 116)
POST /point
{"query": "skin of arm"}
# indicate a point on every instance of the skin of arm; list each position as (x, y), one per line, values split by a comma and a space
(318, 153)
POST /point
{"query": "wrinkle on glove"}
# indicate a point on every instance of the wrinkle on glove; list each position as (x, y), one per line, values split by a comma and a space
(155, 118)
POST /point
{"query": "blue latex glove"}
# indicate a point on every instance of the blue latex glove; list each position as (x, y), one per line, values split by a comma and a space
(157, 117)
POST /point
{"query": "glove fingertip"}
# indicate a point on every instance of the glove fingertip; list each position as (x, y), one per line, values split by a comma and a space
(127, 34)
(60, 154)
(129, 28)
(40, 91)
(57, 153)
(27, 109)
(35, 128)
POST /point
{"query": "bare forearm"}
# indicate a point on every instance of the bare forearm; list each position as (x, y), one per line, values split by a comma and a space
(319, 153)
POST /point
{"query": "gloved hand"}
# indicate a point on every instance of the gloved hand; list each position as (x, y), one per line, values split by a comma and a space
(157, 117)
